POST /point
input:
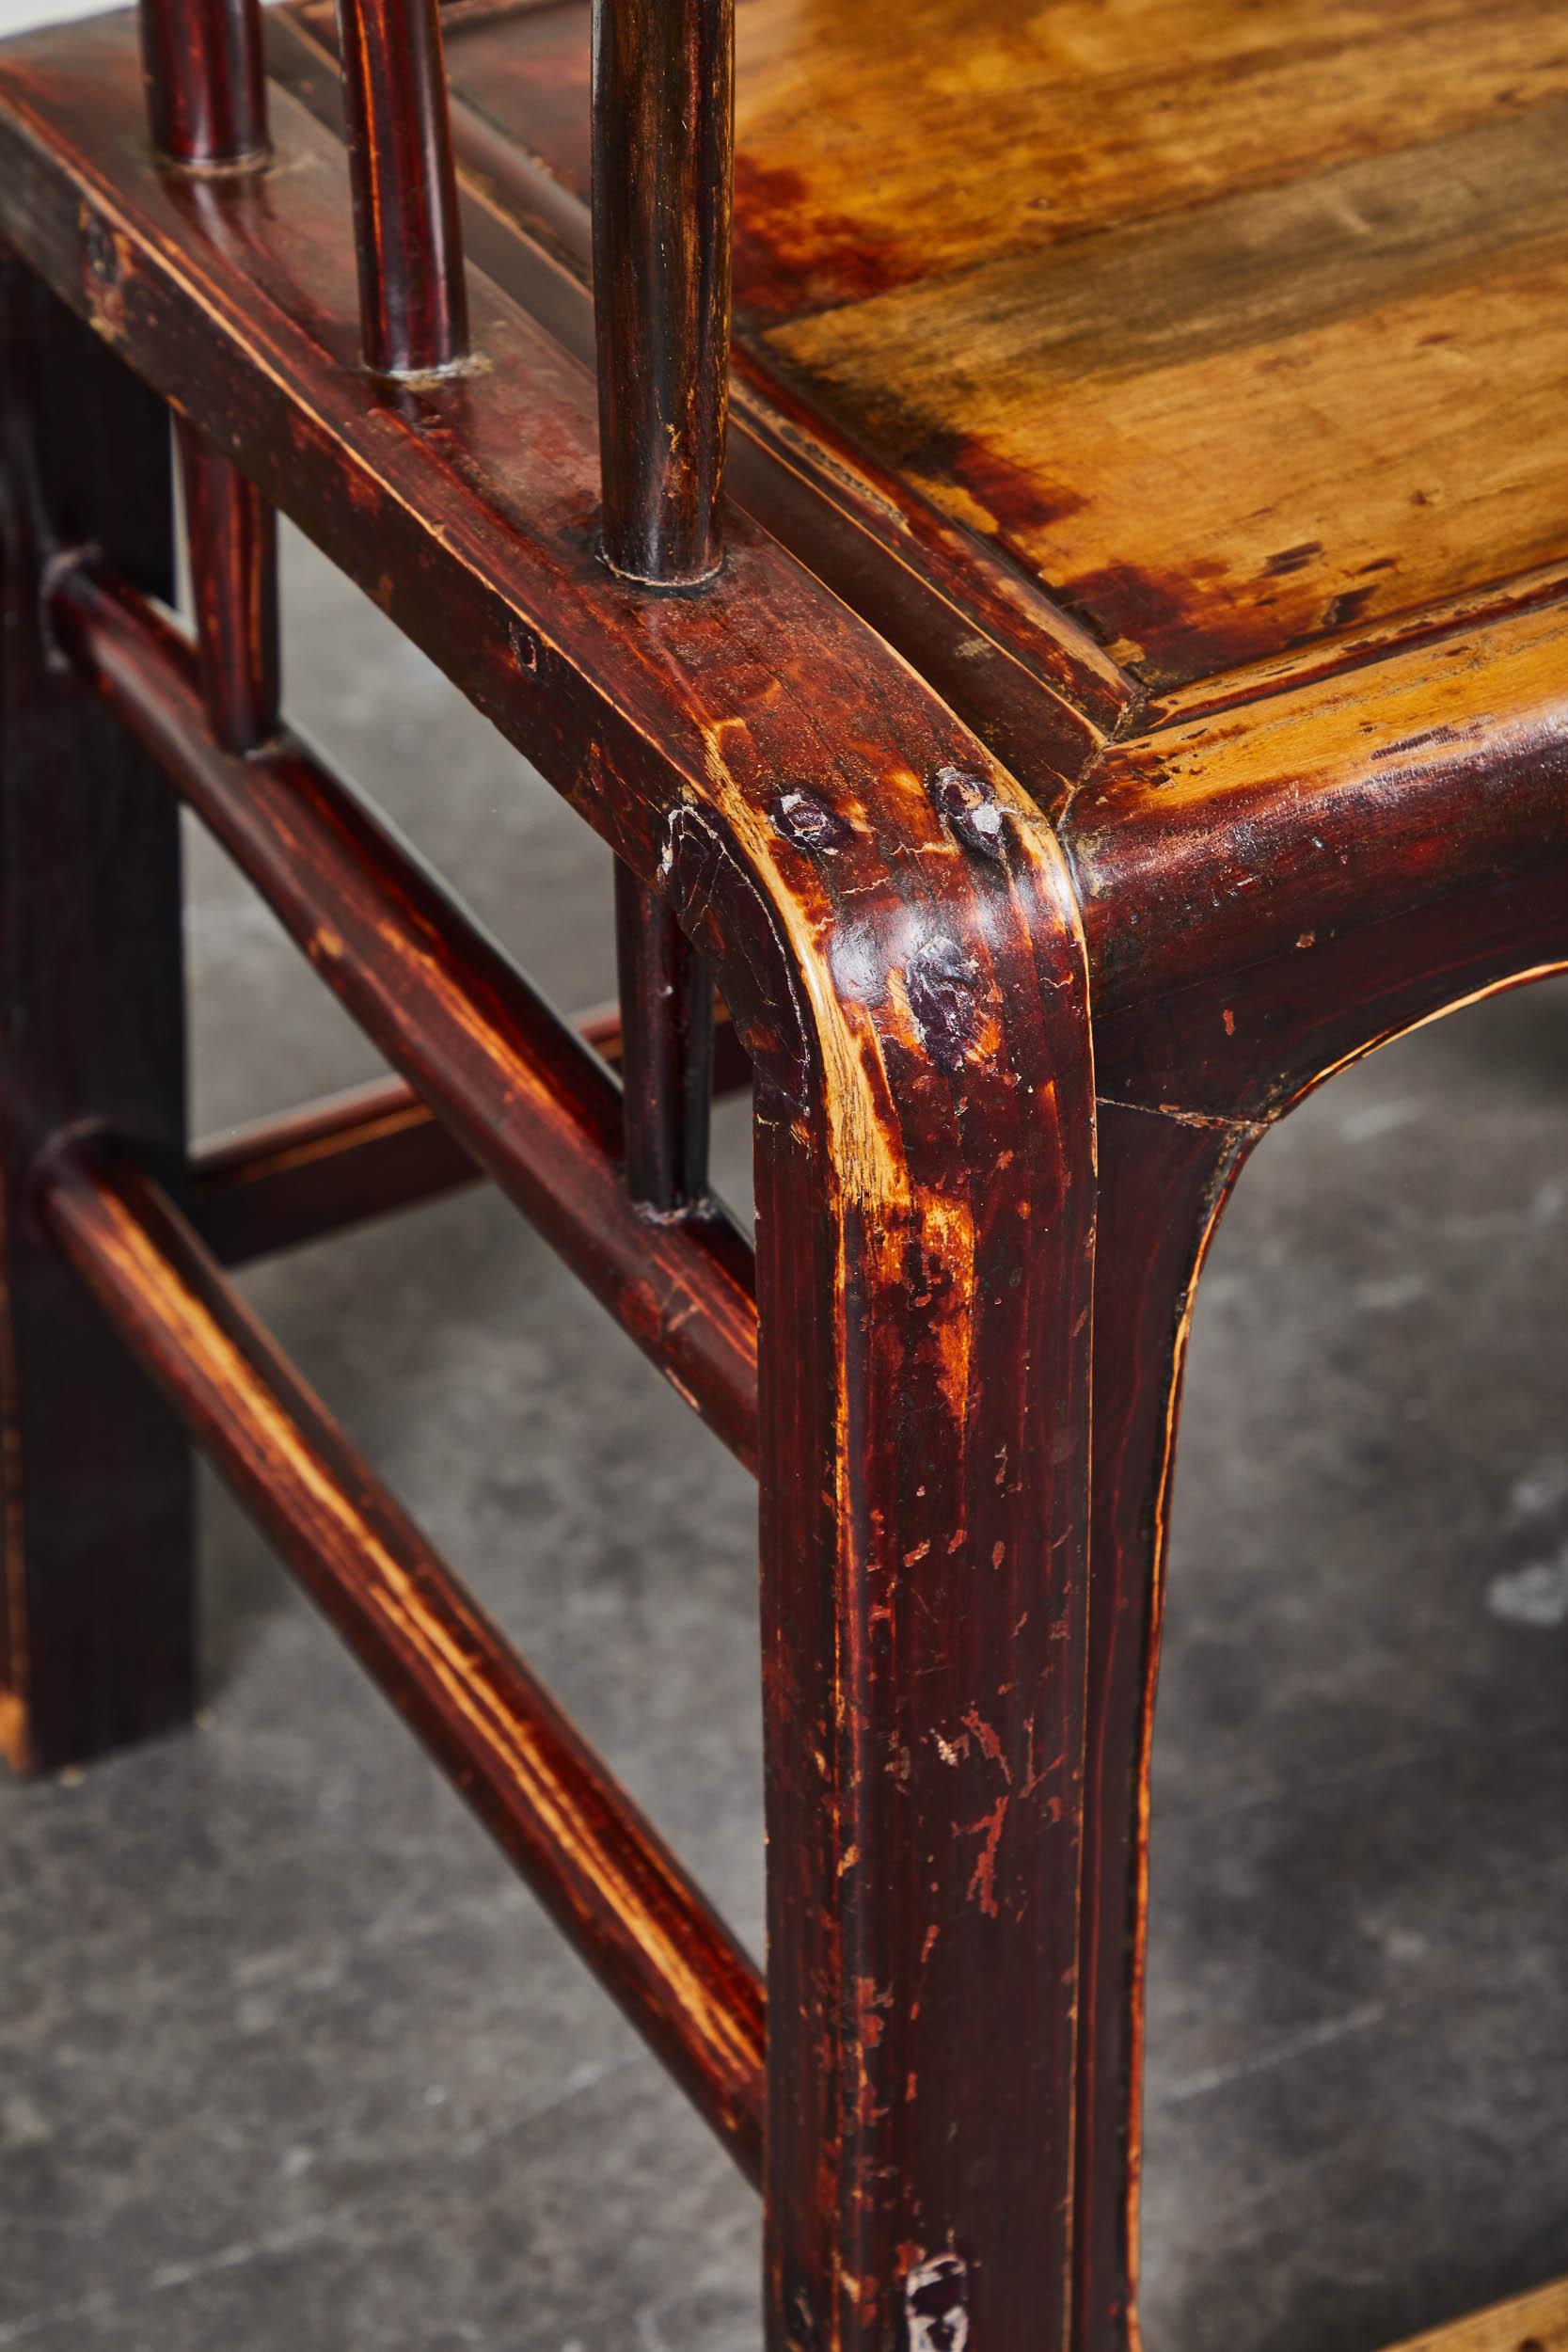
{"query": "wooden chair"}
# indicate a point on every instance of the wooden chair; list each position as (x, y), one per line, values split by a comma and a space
(1126, 680)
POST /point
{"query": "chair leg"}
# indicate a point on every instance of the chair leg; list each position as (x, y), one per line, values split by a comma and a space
(1162, 1182)
(96, 1636)
(924, 1465)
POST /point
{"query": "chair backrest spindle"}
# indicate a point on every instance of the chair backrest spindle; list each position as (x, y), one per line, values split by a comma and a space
(232, 533)
(203, 66)
(206, 83)
(663, 179)
(413, 306)
(663, 102)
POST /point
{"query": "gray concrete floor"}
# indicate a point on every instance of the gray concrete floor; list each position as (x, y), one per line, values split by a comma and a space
(287, 2060)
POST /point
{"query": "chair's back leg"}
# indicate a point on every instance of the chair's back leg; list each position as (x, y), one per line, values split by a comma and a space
(96, 1617)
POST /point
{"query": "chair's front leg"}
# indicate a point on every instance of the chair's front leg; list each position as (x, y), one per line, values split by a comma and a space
(1192, 1077)
(925, 1236)
(1163, 1181)
(96, 1632)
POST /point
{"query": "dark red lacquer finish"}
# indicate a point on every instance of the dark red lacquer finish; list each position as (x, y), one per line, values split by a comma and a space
(290, 1179)
(529, 1099)
(97, 1615)
(232, 533)
(1013, 1028)
(538, 1788)
(663, 173)
(413, 303)
(667, 1051)
(206, 85)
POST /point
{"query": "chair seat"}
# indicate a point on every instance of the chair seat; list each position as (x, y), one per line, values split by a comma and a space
(1232, 327)
(1225, 806)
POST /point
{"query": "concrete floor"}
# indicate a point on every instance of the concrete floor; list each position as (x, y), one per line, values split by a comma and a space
(286, 2060)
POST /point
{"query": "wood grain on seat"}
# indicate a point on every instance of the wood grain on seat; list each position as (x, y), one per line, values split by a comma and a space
(1234, 328)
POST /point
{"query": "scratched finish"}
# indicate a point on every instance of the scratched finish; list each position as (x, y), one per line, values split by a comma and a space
(1272, 831)
(1237, 888)
(915, 1007)
(1233, 326)
(922, 1527)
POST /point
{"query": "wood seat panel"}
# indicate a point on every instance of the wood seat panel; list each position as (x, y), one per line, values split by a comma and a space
(1235, 328)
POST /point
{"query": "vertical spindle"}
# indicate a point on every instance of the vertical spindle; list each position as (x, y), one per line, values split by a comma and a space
(413, 306)
(663, 176)
(207, 111)
(666, 1051)
(206, 83)
(232, 533)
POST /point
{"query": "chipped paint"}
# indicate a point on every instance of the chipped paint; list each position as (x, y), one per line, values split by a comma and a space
(936, 2304)
(982, 1885)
